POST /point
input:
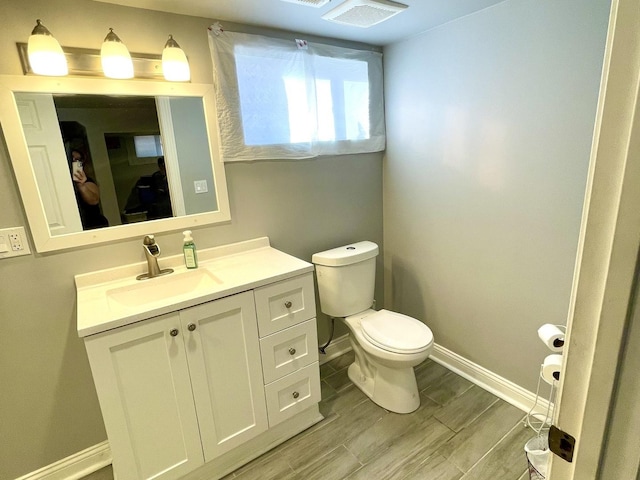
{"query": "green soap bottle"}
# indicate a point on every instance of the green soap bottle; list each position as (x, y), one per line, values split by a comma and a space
(189, 249)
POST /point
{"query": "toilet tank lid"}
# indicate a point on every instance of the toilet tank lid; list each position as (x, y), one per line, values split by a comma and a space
(352, 253)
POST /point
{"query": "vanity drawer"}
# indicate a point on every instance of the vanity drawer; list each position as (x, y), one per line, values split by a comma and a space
(284, 304)
(286, 351)
(293, 394)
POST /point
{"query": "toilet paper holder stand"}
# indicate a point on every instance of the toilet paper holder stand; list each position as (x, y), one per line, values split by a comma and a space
(541, 420)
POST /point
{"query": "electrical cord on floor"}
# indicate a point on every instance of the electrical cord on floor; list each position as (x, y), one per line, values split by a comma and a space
(322, 348)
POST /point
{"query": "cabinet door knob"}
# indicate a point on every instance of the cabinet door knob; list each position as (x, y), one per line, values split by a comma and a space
(288, 304)
(292, 351)
(296, 394)
(173, 332)
(191, 327)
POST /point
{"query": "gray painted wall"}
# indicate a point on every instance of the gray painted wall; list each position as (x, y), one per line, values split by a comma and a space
(489, 127)
(190, 132)
(48, 405)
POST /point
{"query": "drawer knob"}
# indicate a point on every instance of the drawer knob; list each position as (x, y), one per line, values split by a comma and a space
(292, 351)
(288, 304)
(191, 327)
(296, 394)
(173, 332)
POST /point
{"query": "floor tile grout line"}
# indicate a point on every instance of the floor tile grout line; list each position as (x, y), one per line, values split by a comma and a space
(429, 458)
(471, 385)
(316, 460)
(479, 414)
(493, 447)
(356, 456)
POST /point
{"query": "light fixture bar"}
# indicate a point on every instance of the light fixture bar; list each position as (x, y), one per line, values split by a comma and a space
(87, 62)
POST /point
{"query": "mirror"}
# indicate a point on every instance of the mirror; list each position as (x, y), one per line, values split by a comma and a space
(148, 152)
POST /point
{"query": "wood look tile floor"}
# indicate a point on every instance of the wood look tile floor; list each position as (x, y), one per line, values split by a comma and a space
(460, 432)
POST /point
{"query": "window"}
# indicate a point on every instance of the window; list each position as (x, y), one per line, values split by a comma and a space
(147, 145)
(278, 101)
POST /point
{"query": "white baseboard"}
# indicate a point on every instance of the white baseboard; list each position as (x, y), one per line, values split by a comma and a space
(486, 379)
(75, 466)
(336, 348)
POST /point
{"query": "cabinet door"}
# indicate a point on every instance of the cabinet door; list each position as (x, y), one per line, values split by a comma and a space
(142, 378)
(226, 373)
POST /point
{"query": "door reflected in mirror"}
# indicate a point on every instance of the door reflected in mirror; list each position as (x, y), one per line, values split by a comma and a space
(142, 158)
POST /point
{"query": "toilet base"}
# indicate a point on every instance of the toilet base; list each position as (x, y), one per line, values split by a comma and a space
(394, 389)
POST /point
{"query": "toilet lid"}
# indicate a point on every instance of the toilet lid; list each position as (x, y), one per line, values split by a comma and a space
(396, 332)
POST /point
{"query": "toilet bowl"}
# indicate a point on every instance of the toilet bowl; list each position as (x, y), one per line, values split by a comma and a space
(387, 345)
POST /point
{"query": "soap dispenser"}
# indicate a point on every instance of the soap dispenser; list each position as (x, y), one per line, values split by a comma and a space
(189, 249)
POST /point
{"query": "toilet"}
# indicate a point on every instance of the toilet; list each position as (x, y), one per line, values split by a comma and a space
(387, 345)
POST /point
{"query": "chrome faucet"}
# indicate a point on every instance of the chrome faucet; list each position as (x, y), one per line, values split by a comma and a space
(152, 252)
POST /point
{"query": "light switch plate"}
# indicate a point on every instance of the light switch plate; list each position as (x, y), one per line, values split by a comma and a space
(13, 242)
(201, 186)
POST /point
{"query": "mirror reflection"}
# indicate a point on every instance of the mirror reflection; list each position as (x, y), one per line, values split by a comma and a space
(104, 160)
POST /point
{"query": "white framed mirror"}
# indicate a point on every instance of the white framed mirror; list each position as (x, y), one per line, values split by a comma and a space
(150, 147)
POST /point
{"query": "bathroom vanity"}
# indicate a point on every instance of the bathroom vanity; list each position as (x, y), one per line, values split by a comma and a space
(200, 371)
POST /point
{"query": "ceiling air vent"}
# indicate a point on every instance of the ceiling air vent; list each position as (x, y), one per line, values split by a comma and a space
(309, 3)
(363, 13)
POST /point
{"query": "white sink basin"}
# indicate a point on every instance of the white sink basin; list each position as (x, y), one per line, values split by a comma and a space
(162, 289)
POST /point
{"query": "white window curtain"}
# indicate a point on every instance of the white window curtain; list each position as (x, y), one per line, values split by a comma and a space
(288, 99)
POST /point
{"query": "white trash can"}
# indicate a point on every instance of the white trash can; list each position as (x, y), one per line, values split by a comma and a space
(538, 456)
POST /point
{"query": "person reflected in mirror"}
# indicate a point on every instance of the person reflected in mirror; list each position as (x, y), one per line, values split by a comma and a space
(149, 196)
(160, 186)
(87, 194)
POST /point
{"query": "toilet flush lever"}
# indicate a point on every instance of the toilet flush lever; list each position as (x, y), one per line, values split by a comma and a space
(288, 304)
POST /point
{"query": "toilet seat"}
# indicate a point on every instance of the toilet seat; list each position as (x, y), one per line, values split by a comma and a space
(395, 332)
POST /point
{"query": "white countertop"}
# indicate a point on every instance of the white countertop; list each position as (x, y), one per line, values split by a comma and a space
(221, 271)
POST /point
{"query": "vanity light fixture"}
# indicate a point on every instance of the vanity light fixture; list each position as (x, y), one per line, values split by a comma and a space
(116, 60)
(175, 66)
(45, 53)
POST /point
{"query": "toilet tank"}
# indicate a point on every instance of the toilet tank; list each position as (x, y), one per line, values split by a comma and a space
(346, 278)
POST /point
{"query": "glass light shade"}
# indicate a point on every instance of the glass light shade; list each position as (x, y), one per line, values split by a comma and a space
(45, 53)
(175, 66)
(116, 60)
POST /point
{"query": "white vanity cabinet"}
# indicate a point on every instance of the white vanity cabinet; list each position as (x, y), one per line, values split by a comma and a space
(201, 378)
(180, 390)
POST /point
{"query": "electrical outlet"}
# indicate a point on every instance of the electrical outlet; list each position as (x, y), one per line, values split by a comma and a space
(13, 242)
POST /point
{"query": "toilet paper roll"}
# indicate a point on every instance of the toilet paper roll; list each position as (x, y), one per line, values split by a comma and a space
(552, 337)
(551, 368)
